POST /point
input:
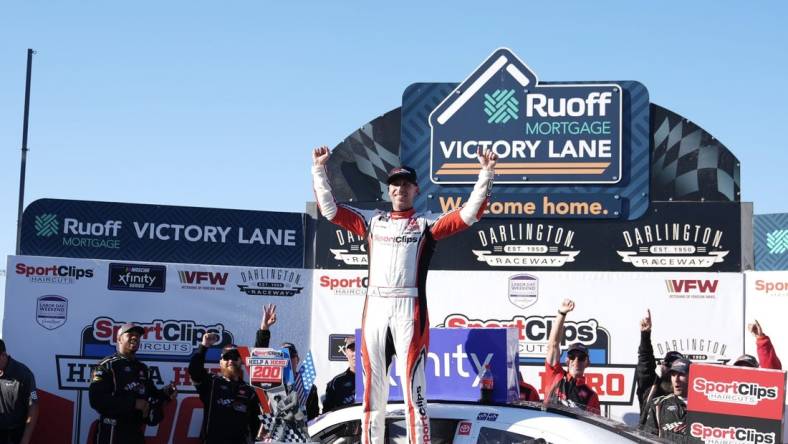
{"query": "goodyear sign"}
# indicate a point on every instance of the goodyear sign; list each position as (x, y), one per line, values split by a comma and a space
(560, 133)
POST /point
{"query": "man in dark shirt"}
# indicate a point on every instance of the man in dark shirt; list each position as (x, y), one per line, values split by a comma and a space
(123, 394)
(341, 390)
(18, 400)
(667, 414)
(568, 387)
(231, 407)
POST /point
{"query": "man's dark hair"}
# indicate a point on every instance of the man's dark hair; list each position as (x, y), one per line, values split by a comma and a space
(2, 346)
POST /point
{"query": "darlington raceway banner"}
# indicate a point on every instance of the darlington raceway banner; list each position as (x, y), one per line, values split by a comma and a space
(767, 302)
(609, 307)
(677, 236)
(61, 316)
(121, 231)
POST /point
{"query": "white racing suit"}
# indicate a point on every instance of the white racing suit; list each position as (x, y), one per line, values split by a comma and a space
(395, 318)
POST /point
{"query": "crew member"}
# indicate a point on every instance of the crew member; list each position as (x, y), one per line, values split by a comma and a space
(766, 354)
(568, 387)
(123, 394)
(18, 400)
(341, 390)
(231, 407)
(667, 415)
(650, 385)
(400, 243)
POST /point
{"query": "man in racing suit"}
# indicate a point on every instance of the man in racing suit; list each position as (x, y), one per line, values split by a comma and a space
(395, 319)
(667, 415)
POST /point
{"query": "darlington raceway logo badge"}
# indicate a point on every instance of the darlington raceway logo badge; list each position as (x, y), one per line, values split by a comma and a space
(137, 277)
(525, 244)
(51, 311)
(695, 349)
(523, 290)
(673, 246)
(271, 282)
(352, 249)
(542, 133)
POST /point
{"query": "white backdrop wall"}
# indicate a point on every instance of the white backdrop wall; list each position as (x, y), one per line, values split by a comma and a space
(58, 324)
(695, 313)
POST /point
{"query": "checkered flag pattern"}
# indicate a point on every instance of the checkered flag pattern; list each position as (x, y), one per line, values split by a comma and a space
(305, 379)
(278, 431)
(688, 163)
(359, 166)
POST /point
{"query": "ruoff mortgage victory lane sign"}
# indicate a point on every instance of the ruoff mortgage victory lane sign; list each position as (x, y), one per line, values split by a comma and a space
(561, 145)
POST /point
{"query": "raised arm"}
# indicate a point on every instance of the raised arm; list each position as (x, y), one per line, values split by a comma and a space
(557, 333)
(767, 357)
(472, 210)
(647, 365)
(346, 217)
(263, 337)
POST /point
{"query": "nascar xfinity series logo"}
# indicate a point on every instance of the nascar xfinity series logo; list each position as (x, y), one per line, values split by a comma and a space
(53, 274)
(525, 245)
(271, 282)
(137, 277)
(351, 249)
(673, 246)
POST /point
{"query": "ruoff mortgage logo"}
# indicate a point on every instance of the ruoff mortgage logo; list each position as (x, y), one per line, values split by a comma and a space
(777, 241)
(525, 245)
(734, 392)
(673, 245)
(137, 277)
(694, 348)
(692, 288)
(351, 249)
(271, 282)
(567, 133)
(46, 225)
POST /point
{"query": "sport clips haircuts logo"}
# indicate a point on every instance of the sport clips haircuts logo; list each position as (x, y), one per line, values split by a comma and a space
(673, 246)
(53, 274)
(731, 435)
(137, 277)
(734, 392)
(171, 337)
(271, 282)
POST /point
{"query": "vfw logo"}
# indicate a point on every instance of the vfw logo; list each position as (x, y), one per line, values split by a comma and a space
(46, 225)
(542, 133)
(202, 280)
(692, 288)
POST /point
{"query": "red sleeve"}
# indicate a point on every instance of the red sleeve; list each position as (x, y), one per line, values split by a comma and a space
(593, 405)
(448, 224)
(531, 394)
(552, 374)
(350, 220)
(767, 357)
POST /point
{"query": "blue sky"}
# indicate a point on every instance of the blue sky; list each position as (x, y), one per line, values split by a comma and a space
(217, 104)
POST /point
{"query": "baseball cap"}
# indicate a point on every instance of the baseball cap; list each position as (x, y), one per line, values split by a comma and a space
(672, 356)
(129, 327)
(577, 348)
(350, 342)
(746, 361)
(404, 172)
(230, 352)
(680, 365)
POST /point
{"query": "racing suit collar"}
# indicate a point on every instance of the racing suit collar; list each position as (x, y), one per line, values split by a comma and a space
(403, 214)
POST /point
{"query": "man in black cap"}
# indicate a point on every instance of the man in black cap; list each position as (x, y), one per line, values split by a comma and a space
(123, 394)
(231, 406)
(400, 244)
(650, 385)
(568, 387)
(341, 390)
(18, 400)
(667, 414)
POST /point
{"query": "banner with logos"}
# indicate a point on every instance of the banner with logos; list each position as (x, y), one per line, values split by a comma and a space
(61, 317)
(735, 404)
(158, 233)
(770, 241)
(606, 320)
(672, 236)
